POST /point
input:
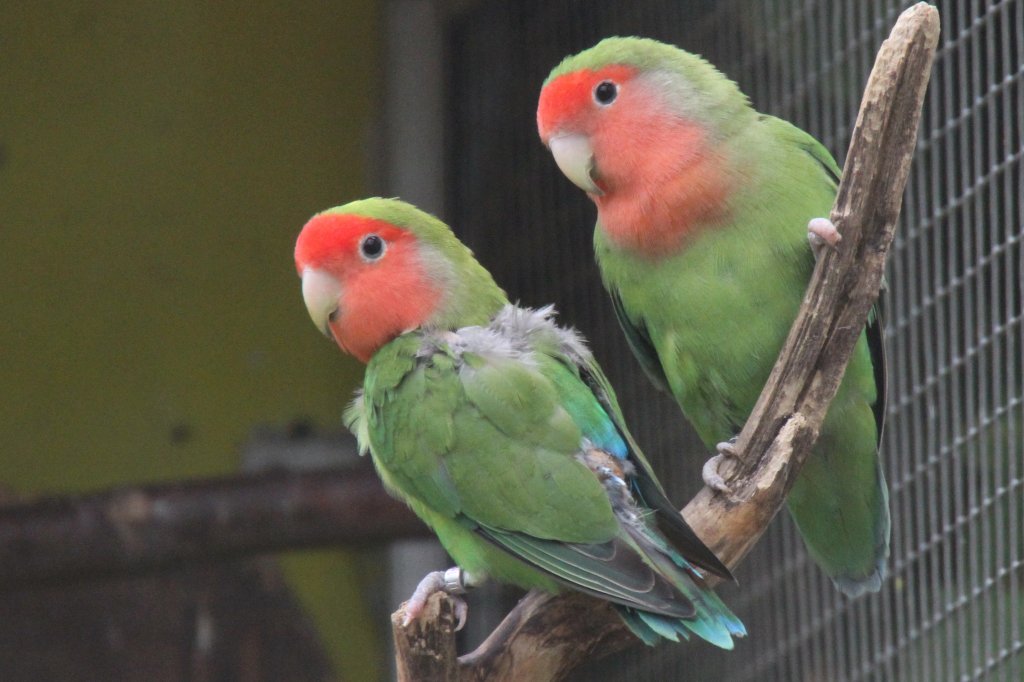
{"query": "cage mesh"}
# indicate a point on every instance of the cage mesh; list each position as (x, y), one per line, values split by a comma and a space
(953, 606)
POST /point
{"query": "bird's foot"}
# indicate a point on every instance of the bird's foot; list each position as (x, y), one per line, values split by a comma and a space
(454, 582)
(822, 234)
(713, 479)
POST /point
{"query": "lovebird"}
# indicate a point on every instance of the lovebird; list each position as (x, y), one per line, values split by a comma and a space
(702, 204)
(498, 428)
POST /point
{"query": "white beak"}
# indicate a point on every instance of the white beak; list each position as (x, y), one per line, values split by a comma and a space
(322, 294)
(575, 158)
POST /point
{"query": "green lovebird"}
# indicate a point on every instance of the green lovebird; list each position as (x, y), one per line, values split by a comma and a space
(700, 238)
(498, 428)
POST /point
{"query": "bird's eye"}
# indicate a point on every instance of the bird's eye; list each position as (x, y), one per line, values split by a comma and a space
(605, 93)
(372, 247)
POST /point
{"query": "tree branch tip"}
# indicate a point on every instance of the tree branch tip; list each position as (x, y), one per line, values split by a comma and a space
(438, 609)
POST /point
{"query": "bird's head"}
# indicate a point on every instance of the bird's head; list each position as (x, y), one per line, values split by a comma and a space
(630, 118)
(374, 269)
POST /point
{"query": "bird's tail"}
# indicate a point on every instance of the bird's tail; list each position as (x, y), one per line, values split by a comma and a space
(845, 527)
(712, 620)
(714, 623)
(853, 584)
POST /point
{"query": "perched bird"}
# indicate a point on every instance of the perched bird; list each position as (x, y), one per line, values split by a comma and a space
(701, 207)
(498, 428)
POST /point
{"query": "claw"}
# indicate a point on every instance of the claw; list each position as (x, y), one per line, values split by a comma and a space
(727, 448)
(453, 582)
(822, 234)
(461, 611)
(432, 582)
(713, 479)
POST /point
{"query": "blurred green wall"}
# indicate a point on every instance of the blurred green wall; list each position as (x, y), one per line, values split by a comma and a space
(157, 160)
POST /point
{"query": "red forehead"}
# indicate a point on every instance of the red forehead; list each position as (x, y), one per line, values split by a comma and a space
(570, 94)
(333, 238)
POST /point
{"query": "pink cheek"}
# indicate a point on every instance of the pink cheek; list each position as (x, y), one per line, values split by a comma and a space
(380, 303)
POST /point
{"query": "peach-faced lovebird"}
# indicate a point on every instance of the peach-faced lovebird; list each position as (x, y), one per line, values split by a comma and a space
(497, 427)
(702, 204)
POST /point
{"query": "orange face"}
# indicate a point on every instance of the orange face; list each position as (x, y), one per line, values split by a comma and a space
(650, 170)
(364, 280)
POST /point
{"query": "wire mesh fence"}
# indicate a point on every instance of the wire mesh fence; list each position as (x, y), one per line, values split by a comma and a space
(953, 606)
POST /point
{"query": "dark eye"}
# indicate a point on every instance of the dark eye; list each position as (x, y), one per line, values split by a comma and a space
(605, 93)
(372, 247)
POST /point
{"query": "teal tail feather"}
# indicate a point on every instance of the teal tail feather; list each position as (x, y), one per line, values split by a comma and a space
(712, 620)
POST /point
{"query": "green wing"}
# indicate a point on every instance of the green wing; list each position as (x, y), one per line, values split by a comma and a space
(640, 343)
(788, 133)
(667, 518)
(484, 438)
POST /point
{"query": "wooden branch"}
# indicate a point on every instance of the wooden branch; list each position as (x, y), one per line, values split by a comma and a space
(425, 649)
(134, 530)
(546, 636)
(573, 628)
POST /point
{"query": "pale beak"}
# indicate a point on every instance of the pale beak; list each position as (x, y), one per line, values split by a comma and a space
(575, 158)
(322, 293)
